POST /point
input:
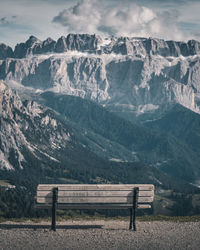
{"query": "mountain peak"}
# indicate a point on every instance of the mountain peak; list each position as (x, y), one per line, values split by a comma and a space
(33, 38)
(49, 39)
(5, 51)
(92, 43)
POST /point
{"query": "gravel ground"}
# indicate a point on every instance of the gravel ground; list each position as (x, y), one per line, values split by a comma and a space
(100, 234)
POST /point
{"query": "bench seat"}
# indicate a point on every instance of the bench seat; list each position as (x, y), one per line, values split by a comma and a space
(94, 196)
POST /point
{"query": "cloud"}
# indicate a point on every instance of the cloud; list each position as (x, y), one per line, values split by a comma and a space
(83, 17)
(4, 21)
(135, 20)
(127, 19)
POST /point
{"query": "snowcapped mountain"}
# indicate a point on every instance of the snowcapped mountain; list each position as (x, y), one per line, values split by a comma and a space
(132, 75)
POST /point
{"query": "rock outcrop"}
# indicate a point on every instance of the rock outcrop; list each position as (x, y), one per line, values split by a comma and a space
(5, 51)
(124, 73)
(95, 44)
(28, 131)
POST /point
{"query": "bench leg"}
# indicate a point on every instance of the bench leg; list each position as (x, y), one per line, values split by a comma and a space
(135, 203)
(53, 218)
(53, 212)
(134, 218)
(131, 220)
(133, 209)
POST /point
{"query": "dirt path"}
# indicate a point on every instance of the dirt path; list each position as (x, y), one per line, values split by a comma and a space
(100, 234)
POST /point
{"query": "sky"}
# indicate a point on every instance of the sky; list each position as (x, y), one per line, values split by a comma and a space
(167, 19)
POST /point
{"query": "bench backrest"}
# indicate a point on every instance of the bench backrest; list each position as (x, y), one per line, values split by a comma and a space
(95, 196)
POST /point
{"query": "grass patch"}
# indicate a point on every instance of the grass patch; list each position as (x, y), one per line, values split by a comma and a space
(86, 217)
(193, 218)
(24, 219)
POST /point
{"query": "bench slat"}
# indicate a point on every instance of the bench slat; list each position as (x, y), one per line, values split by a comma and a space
(92, 206)
(95, 187)
(83, 193)
(110, 199)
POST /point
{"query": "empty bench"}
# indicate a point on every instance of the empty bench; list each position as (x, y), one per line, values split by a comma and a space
(108, 196)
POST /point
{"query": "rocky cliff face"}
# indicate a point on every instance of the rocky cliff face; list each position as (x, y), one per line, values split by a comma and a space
(28, 129)
(95, 44)
(71, 42)
(133, 75)
(5, 51)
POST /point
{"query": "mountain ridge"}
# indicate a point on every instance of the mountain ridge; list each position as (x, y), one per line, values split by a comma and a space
(96, 44)
(141, 81)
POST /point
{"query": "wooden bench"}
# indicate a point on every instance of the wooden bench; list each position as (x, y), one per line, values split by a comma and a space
(100, 196)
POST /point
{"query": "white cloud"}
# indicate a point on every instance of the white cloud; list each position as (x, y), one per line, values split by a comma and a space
(83, 17)
(127, 19)
(4, 21)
